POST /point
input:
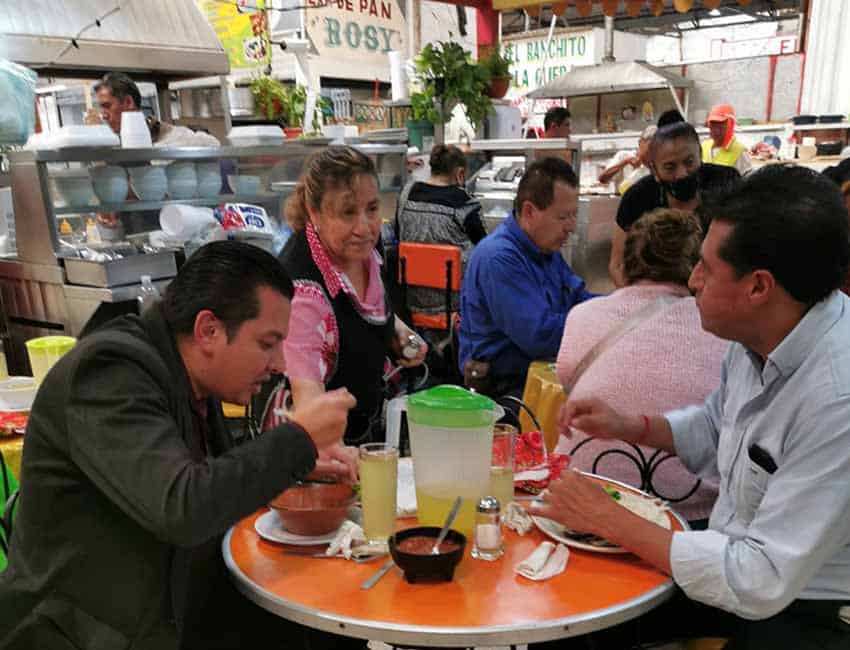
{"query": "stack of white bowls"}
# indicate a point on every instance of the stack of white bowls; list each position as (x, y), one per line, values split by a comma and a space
(149, 182)
(182, 180)
(74, 187)
(110, 183)
(209, 179)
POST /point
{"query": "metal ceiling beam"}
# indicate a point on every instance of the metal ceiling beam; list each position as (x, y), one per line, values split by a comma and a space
(670, 17)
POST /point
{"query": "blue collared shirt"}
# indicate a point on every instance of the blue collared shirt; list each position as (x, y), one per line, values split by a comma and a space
(773, 537)
(514, 302)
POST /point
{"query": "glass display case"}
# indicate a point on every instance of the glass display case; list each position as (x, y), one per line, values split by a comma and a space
(84, 217)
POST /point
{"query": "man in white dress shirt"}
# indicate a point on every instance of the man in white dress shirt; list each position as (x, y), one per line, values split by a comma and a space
(773, 568)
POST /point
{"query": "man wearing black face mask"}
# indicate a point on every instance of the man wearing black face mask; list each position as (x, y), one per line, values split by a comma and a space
(679, 180)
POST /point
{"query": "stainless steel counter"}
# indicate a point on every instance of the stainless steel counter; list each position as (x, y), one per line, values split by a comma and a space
(589, 248)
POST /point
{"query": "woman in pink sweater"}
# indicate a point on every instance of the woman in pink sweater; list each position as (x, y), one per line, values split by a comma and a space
(665, 362)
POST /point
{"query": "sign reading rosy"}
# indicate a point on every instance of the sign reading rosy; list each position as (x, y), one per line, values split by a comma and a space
(357, 30)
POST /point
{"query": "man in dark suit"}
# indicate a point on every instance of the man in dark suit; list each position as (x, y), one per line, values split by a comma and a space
(129, 478)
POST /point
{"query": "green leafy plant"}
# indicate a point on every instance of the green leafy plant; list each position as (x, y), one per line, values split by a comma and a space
(269, 96)
(286, 104)
(448, 76)
(495, 63)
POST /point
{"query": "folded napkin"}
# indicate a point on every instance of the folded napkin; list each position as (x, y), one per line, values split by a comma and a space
(517, 518)
(350, 542)
(546, 561)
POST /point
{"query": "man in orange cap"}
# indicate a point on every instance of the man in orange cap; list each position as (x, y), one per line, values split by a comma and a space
(723, 148)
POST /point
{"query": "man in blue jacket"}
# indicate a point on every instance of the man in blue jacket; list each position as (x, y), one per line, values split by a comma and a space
(518, 289)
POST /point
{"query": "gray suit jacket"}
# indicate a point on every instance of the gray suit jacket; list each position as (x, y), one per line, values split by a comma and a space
(122, 501)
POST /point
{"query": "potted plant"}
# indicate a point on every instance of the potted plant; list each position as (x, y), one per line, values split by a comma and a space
(294, 107)
(269, 95)
(448, 76)
(498, 68)
(285, 104)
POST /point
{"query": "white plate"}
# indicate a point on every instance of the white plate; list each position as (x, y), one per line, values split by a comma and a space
(657, 514)
(5, 410)
(270, 528)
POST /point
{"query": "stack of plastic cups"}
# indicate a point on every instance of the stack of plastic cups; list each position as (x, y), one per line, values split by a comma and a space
(44, 351)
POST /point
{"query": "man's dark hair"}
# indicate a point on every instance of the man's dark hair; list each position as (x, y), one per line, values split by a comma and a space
(555, 116)
(223, 277)
(121, 86)
(538, 183)
(671, 132)
(840, 173)
(788, 220)
(670, 117)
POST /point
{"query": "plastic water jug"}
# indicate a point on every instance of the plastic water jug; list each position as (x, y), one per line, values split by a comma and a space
(451, 438)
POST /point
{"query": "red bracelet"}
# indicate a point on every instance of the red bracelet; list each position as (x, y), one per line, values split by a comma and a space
(645, 433)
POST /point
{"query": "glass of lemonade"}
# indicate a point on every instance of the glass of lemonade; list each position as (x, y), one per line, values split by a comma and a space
(502, 464)
(378, 481)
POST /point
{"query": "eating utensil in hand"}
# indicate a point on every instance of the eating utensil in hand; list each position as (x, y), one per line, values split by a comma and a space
(435, 550)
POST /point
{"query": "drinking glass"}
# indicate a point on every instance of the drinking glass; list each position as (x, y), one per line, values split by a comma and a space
(378, 481)
(502, 464)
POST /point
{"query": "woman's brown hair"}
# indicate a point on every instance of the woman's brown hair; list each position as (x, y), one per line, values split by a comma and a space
(445, 158)
(331, 168)
(663, 245)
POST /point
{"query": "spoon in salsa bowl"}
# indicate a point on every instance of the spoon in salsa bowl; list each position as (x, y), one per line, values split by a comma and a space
(435, 550)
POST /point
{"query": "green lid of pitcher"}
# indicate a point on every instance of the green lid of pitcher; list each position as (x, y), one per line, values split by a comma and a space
(450, 406)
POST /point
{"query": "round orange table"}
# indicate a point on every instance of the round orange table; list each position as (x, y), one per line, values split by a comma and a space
(486, 604)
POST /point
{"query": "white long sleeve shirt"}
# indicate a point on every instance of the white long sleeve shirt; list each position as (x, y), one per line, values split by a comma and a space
(773, 537)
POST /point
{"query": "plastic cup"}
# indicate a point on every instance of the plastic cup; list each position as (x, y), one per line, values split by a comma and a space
(502, 464)
(184, 221)
(378, 485)
(134, 130)
(44, 351)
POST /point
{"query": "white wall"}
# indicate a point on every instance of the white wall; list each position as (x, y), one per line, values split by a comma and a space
(439, 23)
(706, 44)
(826, 88)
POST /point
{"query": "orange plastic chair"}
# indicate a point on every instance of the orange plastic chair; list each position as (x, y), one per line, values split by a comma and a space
(433, 266)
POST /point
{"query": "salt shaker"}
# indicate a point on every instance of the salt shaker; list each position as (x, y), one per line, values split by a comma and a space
(488, 530)
(411, 348)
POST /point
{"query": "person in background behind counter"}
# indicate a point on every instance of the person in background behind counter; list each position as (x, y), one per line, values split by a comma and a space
(723, 148)
(556, 123)
(116, 93)
(628, 167)
(679, 180)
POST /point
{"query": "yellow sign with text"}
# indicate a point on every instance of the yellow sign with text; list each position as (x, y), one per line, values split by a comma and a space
(242, 28)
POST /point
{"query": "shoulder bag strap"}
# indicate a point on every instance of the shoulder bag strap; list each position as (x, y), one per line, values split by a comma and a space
(615, 334)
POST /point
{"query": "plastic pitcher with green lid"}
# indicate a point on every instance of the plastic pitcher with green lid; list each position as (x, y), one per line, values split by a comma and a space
(451, 437)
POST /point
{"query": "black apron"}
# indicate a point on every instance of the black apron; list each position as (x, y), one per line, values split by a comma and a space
(363, 346)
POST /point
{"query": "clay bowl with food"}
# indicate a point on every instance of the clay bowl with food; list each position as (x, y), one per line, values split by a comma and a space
(313, 508)
(411, 551)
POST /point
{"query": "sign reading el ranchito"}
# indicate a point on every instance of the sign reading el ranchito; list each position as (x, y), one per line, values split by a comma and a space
(350, 33)
(530, 71)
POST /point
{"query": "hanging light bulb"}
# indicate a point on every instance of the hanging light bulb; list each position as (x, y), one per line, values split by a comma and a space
(656, 7)
(533, 11)
(711, 4)
(683, 6)
(559, 8)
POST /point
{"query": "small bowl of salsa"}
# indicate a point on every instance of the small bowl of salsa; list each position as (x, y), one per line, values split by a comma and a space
(411, 551)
